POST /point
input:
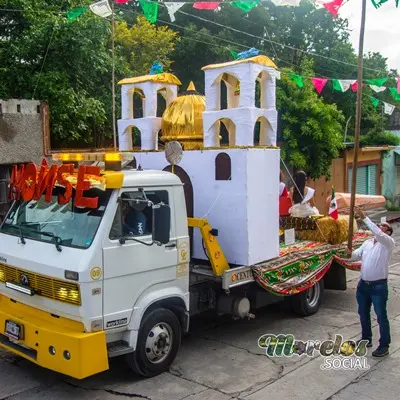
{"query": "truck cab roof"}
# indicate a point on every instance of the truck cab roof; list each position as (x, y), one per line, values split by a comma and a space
(134, 178)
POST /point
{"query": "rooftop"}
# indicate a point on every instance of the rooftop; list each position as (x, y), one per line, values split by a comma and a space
(135, 178)
(165, 77)
(261, 60)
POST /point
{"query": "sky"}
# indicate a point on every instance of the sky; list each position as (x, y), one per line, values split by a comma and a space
(382, 28)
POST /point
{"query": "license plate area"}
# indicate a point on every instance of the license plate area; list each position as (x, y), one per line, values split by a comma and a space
(14, 331)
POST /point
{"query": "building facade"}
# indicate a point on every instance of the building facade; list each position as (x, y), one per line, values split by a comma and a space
(370, 175)
(24, 137)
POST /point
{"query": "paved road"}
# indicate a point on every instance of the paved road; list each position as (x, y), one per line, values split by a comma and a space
(220, 360)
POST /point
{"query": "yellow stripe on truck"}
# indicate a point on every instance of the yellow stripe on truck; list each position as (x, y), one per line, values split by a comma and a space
(58, 344)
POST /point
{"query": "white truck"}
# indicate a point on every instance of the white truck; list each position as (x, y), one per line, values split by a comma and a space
(76, 288)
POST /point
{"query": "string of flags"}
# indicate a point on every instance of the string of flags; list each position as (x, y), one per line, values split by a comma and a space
(343, 85)
(150, 8)
(339, 85)
(150, 11)
(379, 3)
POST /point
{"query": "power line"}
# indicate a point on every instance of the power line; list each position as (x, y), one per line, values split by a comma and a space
(232, 43)
(274, 42)
(44, 60)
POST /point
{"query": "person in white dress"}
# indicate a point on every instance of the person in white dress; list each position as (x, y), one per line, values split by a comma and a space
(302, 197)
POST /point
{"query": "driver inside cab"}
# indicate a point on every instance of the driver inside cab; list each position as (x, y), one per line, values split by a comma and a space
(133, 218)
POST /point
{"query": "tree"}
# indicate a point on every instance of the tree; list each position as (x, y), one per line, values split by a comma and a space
(310, 131)
(69, 65)
(193, 51)
(287, 35)
(142, 43)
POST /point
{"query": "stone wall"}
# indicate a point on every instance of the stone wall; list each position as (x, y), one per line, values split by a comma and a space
(21, 131)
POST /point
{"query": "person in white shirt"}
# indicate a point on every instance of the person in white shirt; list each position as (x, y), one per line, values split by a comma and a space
(375, 255)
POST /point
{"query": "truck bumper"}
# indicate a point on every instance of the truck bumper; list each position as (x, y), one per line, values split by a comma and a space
(55, 343)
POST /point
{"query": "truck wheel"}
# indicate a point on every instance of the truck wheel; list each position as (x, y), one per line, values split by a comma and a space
(158, 343)
(309, 301)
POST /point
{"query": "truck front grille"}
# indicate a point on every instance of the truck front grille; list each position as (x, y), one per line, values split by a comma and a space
(56, 289)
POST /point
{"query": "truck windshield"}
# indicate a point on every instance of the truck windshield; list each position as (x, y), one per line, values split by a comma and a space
(63, 225)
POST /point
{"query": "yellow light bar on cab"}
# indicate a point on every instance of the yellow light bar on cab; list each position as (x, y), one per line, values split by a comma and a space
(106, 156)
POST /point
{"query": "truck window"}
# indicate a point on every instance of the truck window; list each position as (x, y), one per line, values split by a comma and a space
(137, 218)
(42, 221)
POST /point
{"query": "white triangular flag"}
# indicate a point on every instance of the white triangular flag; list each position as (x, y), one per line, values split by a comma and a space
(377, 89)
(388, 108)
(172, 8)
(346, 83)
(294, 3)
(101, 8)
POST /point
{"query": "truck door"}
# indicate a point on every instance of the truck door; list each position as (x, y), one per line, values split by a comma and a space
(132, 268)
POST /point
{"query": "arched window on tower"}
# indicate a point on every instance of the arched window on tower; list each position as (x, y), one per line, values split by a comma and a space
(223, 168)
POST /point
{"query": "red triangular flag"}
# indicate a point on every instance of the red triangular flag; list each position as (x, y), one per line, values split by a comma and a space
(319, 83)
(333, 6)
(206, 5)
(398, 84)
(333, 210)
(354, 86)
(121, 1)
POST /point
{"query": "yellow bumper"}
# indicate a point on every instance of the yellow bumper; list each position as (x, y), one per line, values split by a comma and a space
(77, 354)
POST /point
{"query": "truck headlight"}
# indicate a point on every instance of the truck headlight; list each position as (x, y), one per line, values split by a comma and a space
(73, 295)
(62, 293)
(68, 295)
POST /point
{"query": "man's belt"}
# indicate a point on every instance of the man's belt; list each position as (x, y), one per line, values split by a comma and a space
(374, 282)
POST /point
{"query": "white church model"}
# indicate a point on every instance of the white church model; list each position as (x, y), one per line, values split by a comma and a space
(236, 186)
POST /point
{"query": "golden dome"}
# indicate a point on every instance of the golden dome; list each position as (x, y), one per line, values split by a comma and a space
(183, 120)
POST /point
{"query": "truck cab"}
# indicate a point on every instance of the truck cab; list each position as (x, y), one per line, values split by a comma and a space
(77, 283)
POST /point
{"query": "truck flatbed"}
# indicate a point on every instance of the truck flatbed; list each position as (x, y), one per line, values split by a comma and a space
(298, 267)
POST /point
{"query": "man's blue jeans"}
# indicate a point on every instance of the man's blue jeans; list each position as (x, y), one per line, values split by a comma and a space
(376, 294)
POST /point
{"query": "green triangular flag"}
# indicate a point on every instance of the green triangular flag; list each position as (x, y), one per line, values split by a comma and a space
(234, 54)
(297, 79)
(75, 13)
(337, 85)
(374, 101)
(377, 82)
(150, 10)
(395, 94)
(245, 6)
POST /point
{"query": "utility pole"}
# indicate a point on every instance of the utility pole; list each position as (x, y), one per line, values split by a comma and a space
(358, 123)
(113, 73)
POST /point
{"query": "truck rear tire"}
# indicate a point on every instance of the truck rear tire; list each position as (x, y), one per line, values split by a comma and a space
(308, 302)
(158, 343)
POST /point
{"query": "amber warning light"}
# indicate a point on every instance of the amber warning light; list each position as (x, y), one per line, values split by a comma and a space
(106, 157)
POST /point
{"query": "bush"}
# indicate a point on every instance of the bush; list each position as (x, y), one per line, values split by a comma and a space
(374, 138)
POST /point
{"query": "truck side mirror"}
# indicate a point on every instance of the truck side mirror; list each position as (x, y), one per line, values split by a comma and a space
(161, 223)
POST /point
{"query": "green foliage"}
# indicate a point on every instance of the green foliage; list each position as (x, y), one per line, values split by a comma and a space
(379, 138)
(140, 43)
(310, 131)
(311, 127)
(75, 77)
(391, 207)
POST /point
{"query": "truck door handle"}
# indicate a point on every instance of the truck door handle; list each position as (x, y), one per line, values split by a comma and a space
(170, 246)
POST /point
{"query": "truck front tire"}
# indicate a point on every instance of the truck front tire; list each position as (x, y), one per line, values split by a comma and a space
(308, 302)
(158, 343)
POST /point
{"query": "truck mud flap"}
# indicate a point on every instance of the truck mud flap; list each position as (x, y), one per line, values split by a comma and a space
(335, 278)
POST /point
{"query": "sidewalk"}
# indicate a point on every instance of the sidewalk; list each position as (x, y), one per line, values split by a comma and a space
(391, 216)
